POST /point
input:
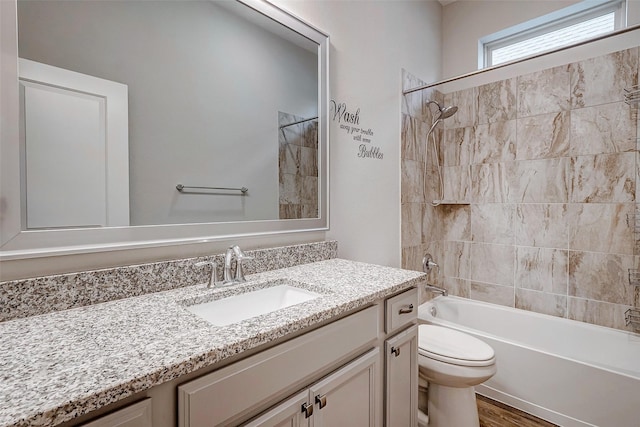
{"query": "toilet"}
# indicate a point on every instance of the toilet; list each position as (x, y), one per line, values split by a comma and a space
(452, 363)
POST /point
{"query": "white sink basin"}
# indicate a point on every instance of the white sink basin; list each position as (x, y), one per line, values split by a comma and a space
(251, 304)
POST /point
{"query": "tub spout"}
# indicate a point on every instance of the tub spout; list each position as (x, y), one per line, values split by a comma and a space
(436, 289)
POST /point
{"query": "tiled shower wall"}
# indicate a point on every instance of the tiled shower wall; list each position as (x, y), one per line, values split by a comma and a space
(547, 164)
(298, 167)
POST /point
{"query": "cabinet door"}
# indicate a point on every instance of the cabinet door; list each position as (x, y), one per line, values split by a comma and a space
(287, 414)
(348, 396)
(401, 370)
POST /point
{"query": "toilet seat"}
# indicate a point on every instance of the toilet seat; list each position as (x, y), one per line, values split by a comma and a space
(454, 347)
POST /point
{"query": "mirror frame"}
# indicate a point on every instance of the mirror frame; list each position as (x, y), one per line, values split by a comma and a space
(16, 243)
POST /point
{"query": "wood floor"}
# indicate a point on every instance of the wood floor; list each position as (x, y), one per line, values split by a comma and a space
(496, 414)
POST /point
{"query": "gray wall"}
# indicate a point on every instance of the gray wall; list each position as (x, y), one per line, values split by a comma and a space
(204, 96)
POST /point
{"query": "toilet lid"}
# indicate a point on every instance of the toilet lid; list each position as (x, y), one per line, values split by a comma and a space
(451, 346)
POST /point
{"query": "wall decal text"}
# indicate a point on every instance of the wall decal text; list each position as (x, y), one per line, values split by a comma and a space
(348, 120)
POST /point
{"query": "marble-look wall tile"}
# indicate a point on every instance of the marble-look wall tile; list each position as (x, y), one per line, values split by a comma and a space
(542, 269)
(412, 102)
(637, 156)
(492, 182)
(457, 146)
(290, 185)
(309, 211)
(603, 79)
(290, 211)
(495, 294)
(308, 161)
(289, 158)
(495, 142)
(544, 136)
(457, 183)
(467, 102)
(456, 222)
(542, 181)
(554, 168)
(601, 277)
(543, 92)
(540, 302)
(598, 313)
(497, 101)
(604, 178)
(493, 223)
(601, 227)
(309, 190)
(411, 224)
(412, 257)
(603, 129)
(412, 172)
(492, 263)
(297, 168)
(542, 225)
(310, 135)
(456, 259)
(413, 138)
(432, 223)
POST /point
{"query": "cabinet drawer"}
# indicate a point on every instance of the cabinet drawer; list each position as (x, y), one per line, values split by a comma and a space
(231, 393)
(401, 310)
(136, 415)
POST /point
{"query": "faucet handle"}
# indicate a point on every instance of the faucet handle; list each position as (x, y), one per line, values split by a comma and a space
(428, 263)
(214, 271)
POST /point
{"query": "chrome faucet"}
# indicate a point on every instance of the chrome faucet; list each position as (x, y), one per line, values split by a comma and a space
(227, 276)
(427, 265)
(436, 289)
(232, 251)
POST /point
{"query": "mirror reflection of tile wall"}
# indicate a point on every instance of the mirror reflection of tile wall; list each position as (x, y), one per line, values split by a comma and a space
(298, 167)
(548, 164)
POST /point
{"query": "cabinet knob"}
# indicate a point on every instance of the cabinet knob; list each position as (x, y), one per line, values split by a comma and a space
(395, 351)
(307, 409)
(321, 401)
(406, 309)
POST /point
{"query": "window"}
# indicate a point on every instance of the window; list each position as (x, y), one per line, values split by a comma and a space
(567, 26)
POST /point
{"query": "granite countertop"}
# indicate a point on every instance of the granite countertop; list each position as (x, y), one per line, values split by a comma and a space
(55, 367)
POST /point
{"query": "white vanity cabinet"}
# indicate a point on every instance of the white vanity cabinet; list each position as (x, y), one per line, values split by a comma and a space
(349, 372)
(230, 395)
(401, 360)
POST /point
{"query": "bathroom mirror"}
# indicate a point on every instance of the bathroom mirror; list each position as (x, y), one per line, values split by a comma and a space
(192, 120)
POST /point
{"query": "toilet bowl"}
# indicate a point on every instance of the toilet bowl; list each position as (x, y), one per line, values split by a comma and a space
(452, 363)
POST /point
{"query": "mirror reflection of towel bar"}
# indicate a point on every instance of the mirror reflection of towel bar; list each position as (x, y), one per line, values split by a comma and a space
(181, 188)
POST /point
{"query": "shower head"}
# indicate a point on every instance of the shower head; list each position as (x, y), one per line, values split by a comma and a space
(447, 112)
(444, 112)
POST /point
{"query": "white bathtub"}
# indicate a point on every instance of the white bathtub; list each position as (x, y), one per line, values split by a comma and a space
(567, 372)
